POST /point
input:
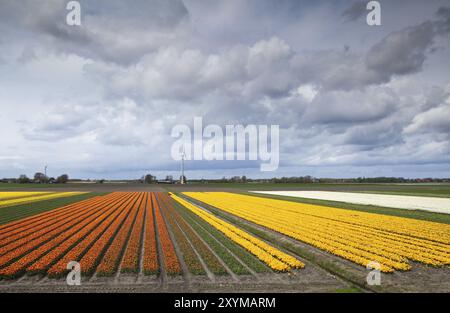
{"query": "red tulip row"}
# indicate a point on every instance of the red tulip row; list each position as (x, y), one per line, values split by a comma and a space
(111, 259)
(171, 263)
(51, 247)
(130, 262)
(150, 257)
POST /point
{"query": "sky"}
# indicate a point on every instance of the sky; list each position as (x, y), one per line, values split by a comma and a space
(100, 100)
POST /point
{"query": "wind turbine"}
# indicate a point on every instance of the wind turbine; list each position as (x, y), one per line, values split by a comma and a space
(45, 171)
(183, 156)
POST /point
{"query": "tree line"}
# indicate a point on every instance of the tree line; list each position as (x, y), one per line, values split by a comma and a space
(309, 179)
(38, 178)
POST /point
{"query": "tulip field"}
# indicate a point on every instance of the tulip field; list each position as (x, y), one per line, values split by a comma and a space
(93, 232)
(215, 237)
(121, 231)
(356, 236)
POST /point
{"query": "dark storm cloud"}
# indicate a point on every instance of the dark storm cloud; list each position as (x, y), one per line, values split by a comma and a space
(443, 24)
(107, 32)
(405, 51)
(355, 11)
(402, 52)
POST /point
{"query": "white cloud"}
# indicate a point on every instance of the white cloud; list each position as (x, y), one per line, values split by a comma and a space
(308, 92)
(434, 120)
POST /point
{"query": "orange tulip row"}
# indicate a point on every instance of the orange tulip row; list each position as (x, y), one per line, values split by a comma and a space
(189, 256)
(171, 263)
(91, 258)
(88, 239)
(111, 259)
(13, 226)
(150, 257)
(98, 232)
(53, 247)
(57, 252)
(130, 261)
(32, 241)
(37, 234)
(19, 229)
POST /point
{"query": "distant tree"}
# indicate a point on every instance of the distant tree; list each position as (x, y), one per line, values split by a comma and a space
(64, 178)
(40, 178)
(308, 179)
(149, 179)
(23, 179)
(101, 181)
(244, 179)
(169, 178)
(235, 179)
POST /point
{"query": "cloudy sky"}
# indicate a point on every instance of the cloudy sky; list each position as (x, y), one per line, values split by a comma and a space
(100, 100)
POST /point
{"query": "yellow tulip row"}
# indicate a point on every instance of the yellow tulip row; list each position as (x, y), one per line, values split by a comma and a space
(438, 246)
(20, 194)
(274, 258)
(328, 244)
(425, 234)
(16, 201)
(365, 240)
(435, 232)
(357, 236)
